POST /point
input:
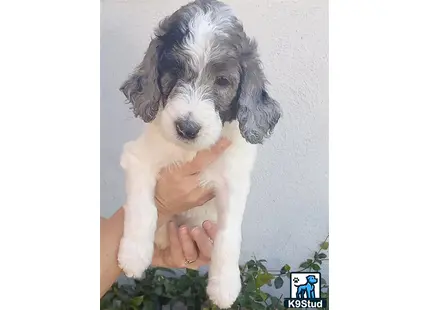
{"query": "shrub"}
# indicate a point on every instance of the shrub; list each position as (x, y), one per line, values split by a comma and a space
(168, 287)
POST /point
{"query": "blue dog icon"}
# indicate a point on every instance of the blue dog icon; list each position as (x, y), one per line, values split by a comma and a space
(308, 288)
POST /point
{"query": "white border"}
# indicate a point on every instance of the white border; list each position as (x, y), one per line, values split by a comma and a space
(50, 154)
(379, 152)
(49, 132)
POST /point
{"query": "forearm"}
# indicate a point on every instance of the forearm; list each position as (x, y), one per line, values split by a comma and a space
(111, 231)
(110, 236)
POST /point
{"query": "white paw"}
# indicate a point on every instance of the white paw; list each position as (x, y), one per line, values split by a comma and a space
(223, 288)
(134, 256)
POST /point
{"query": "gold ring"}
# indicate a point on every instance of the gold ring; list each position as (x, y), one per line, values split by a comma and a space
(188, 262)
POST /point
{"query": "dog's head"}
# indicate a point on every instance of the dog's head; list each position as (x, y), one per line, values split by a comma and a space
(200, 71)
(311, 279)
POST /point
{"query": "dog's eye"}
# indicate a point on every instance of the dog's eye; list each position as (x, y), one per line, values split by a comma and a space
(222, 81)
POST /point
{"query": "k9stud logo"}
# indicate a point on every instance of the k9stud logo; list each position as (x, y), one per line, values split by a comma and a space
(305, 289)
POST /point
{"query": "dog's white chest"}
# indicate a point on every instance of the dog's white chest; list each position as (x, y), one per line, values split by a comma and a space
(235, 163)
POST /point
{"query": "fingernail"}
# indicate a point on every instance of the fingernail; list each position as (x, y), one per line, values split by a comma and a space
(195, 230)
(183, 229)
(207, 224)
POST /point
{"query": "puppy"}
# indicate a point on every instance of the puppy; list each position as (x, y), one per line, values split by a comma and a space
(200, 80)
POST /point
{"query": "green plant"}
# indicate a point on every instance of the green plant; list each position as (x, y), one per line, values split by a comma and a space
(162, 286)
(311, 264)
(159, 287)
(255, 276)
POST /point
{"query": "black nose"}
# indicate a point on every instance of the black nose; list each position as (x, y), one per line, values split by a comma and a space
(187, 129)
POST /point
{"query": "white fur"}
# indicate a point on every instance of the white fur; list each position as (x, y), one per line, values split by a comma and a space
(198, 45)
(229, 175)
(203, 28)
(190, 101)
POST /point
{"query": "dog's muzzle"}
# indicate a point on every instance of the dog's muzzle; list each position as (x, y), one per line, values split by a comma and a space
(187, 129)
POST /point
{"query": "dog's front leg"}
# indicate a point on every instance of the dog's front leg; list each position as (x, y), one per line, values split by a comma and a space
(224, 275)
(140, 217)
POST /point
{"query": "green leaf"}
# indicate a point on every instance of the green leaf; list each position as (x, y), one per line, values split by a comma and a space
(274, 301)
(149, 304)
(315, 255)
(263, 278)
(108, 296)
(137, 301)
(279, 282)
(264, 295)
(285, 269)
(117, 304)
(322, 255)
(257, 306)
(316, 267)
(159, 278)
(258, 298)
(192, 273)
(164, 300)
(250, 263)
(260, 264)
(250, 287)
(305, 265)
(241, 299)
(115, 289)
(187, 292)
(158, 290)
(191, 303)
(324, 245)
(318, 261)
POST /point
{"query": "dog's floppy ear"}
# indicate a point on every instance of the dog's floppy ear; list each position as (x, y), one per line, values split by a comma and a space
(141, 88)
(257, 112)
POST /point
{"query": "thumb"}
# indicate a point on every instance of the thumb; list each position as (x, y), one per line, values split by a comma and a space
(206, 157)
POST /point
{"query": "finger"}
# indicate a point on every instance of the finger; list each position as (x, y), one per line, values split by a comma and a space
(206, 197)
(188, 246)
(206, 157)
(157, 257)
(203, 242)
(169, 169)
(210, 228)
(201, 261)
(176, 253)
(201, 195)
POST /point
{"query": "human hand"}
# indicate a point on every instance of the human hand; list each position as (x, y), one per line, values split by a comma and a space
(194, 246)
(178, 187)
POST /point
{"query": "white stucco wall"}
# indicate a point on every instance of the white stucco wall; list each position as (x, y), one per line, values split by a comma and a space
(287, 211)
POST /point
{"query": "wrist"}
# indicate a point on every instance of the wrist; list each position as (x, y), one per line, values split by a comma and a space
(161, 207)
(163, 215)
(162, 219)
